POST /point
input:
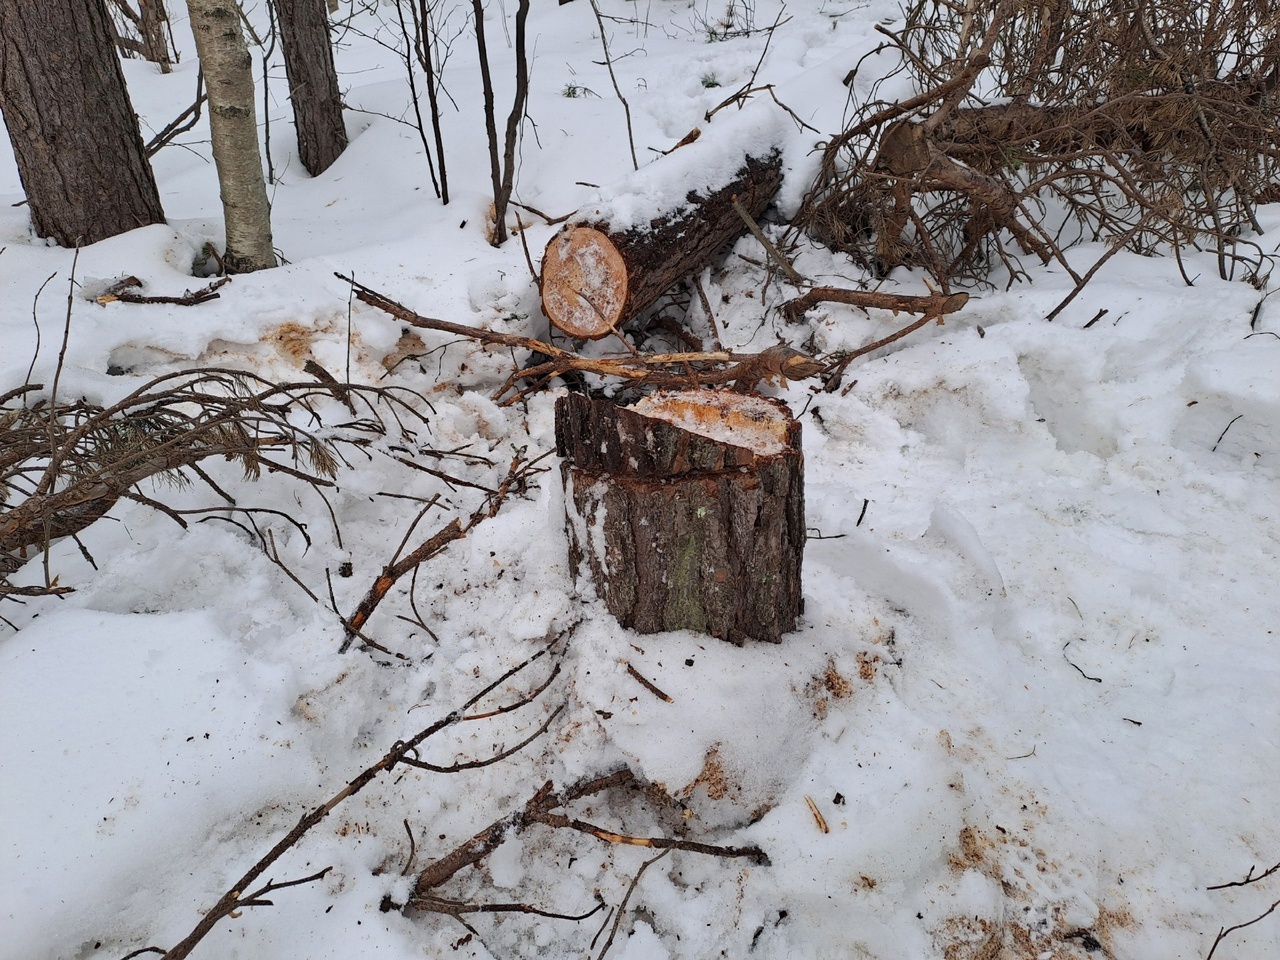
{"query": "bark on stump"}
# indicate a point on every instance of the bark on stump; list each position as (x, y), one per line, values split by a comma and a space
(597, 276)
(687, 511)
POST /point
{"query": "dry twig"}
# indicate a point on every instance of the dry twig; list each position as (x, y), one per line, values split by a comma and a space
(543, 808)
(234, 899)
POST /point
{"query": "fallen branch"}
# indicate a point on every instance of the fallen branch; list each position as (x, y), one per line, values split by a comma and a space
(515, 480)
(622, 907)
(836, 369)
(1249, 878)
(1225, 932)
(66, 464)
(792, 274)
(542, 808)
(119, 291)
(234, 900)
(491, 837)
(932, 306)
(744, 370)
(657, 843)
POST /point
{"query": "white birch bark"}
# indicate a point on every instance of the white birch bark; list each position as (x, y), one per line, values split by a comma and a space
(233, 121)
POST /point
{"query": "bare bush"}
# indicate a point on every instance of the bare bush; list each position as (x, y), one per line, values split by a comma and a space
(65, 464)
(142, 29)
(1148, 125)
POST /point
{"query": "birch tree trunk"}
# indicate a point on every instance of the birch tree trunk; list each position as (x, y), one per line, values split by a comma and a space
(233, 123)
(74, 133)
(313, 82)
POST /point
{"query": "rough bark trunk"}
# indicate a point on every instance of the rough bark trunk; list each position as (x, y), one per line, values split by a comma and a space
(313, 82)
(154, 21)
(74, 133)
(151, 23)
(233, 122)
(679, 528)
(597, 277)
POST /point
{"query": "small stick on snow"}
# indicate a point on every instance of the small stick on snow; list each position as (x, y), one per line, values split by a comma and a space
(817, 815)
(646, 683)
(622, 907)
(1248, 879)
(1227, 931)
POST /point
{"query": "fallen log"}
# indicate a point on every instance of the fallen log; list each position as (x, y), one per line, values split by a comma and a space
(608, 264)
(687, 510)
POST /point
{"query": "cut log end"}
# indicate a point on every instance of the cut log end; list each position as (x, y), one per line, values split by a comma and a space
(585, 283)
(607, 268)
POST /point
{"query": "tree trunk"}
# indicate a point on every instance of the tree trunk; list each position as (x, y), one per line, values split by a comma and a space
(150, 22)
(597, 276)
(687, 511)
(233, 123)
(154, 26)
(313, 82)
(74, 133)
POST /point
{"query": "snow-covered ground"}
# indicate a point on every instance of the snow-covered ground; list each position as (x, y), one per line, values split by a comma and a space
(1033, 698)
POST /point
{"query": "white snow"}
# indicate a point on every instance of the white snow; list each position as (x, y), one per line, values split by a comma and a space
(1034, 692)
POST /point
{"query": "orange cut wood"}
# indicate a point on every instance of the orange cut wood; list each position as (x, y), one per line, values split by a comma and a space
(585, 283)
(602, 271)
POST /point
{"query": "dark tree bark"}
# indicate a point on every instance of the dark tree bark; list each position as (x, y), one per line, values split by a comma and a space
(151, 22)
(313, 82)
(595, 278)
(74, 133)
(679, 529)
(155, 33)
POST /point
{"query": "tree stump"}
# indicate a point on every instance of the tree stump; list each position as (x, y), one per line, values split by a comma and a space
(597, 273)
(687, 510)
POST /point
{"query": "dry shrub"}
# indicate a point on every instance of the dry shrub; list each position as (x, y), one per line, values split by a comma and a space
(65, 463)
(1148, 125)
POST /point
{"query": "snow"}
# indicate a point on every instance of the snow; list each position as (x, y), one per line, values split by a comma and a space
(1033, 693)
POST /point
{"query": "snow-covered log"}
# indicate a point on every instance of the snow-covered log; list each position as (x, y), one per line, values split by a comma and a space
(687, 510)
(666, 221)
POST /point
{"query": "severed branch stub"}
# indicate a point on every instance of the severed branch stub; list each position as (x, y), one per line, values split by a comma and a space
(687, 510)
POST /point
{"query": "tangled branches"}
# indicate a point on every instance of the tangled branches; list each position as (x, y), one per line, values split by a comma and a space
(64, 464)
(1148, 125)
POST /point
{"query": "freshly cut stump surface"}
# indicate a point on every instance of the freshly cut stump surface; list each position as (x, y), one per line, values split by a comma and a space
(687, 510)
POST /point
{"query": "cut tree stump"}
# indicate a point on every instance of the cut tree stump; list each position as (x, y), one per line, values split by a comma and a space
(598, 273)
(687, 510)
